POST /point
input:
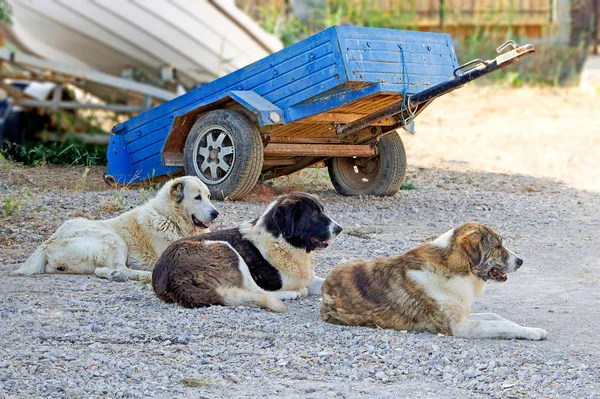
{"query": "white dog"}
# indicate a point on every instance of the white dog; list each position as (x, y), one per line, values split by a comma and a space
(111, 248)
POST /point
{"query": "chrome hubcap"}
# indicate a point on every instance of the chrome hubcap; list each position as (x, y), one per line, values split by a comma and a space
(214, 154)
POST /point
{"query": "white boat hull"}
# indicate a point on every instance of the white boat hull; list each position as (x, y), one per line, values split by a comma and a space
(201, 39)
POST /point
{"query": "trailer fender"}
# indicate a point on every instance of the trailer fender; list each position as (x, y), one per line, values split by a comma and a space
(264, 112)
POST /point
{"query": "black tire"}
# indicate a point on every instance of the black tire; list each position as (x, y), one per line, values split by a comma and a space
(381, 175)
(215, 133)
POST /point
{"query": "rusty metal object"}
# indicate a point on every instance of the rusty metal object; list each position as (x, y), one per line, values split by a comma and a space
(344, 130)
(278, 162)
(319, 150)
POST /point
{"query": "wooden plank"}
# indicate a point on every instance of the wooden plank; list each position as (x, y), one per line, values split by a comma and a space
(370, 105)
(331, 117)
(303, 130)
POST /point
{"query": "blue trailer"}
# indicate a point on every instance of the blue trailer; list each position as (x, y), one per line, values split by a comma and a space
(335, 99)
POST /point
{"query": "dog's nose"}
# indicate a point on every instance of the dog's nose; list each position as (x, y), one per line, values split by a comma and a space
(214, 213)
(519, 262)
(337, 229)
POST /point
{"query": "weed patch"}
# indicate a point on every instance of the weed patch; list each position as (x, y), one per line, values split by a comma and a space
(10, 206)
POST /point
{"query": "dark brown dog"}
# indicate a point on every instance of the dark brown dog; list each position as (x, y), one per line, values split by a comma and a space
(430, 288)
(257, 264)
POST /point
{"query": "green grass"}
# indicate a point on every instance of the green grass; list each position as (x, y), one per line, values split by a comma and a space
(408, 185)
(68, 152)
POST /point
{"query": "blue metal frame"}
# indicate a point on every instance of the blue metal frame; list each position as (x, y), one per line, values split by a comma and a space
(330, 69)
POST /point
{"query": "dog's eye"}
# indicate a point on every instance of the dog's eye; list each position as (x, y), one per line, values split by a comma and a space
(199, 198)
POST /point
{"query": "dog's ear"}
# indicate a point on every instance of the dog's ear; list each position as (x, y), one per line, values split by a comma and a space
(471, 246)
(177, 192)
(284, 219)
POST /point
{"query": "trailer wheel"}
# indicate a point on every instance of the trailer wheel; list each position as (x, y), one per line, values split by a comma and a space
(224, 149)
(380, 175)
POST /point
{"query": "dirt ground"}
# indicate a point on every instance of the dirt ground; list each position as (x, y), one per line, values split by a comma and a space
(552, 132)
(523, 161)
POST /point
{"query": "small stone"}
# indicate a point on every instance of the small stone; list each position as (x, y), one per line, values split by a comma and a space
(118, 276)
(96, 328)
(472, 373)
(72, 394)
(223, 356)
(3, 365)
(310, 390)
(204, 361)
(339, 393)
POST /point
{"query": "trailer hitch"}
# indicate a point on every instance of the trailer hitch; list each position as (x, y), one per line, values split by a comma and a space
(463, 74)
(475, 69)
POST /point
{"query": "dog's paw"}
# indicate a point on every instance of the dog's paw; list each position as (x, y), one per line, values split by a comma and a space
(21, 272)
(118, 276)
(275, 305)
(287, 295)
(535, 334)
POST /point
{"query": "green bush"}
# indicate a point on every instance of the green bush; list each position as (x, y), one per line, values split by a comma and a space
(5, 12)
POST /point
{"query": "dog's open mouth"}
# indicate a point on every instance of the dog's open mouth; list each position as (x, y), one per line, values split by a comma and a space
(319, 244)
(198, 223)
(497, 275)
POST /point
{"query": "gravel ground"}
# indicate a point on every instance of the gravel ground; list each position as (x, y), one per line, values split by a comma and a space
(79, 336)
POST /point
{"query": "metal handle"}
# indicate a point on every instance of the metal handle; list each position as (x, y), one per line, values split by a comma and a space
(506, 44)
(472, 62)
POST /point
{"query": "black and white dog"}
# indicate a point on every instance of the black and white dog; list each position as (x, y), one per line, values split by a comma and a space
(256, 264)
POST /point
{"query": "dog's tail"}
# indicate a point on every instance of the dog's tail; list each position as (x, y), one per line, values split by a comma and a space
(34, 265)
(329, 310)
(160, 278)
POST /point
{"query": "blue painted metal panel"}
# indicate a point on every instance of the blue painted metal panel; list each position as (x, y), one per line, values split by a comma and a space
(297, 82)
(118, 159)
(324, 104)
(413, 60)
(259, 106)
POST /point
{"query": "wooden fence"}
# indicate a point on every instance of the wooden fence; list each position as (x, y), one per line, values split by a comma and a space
(459, 17)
